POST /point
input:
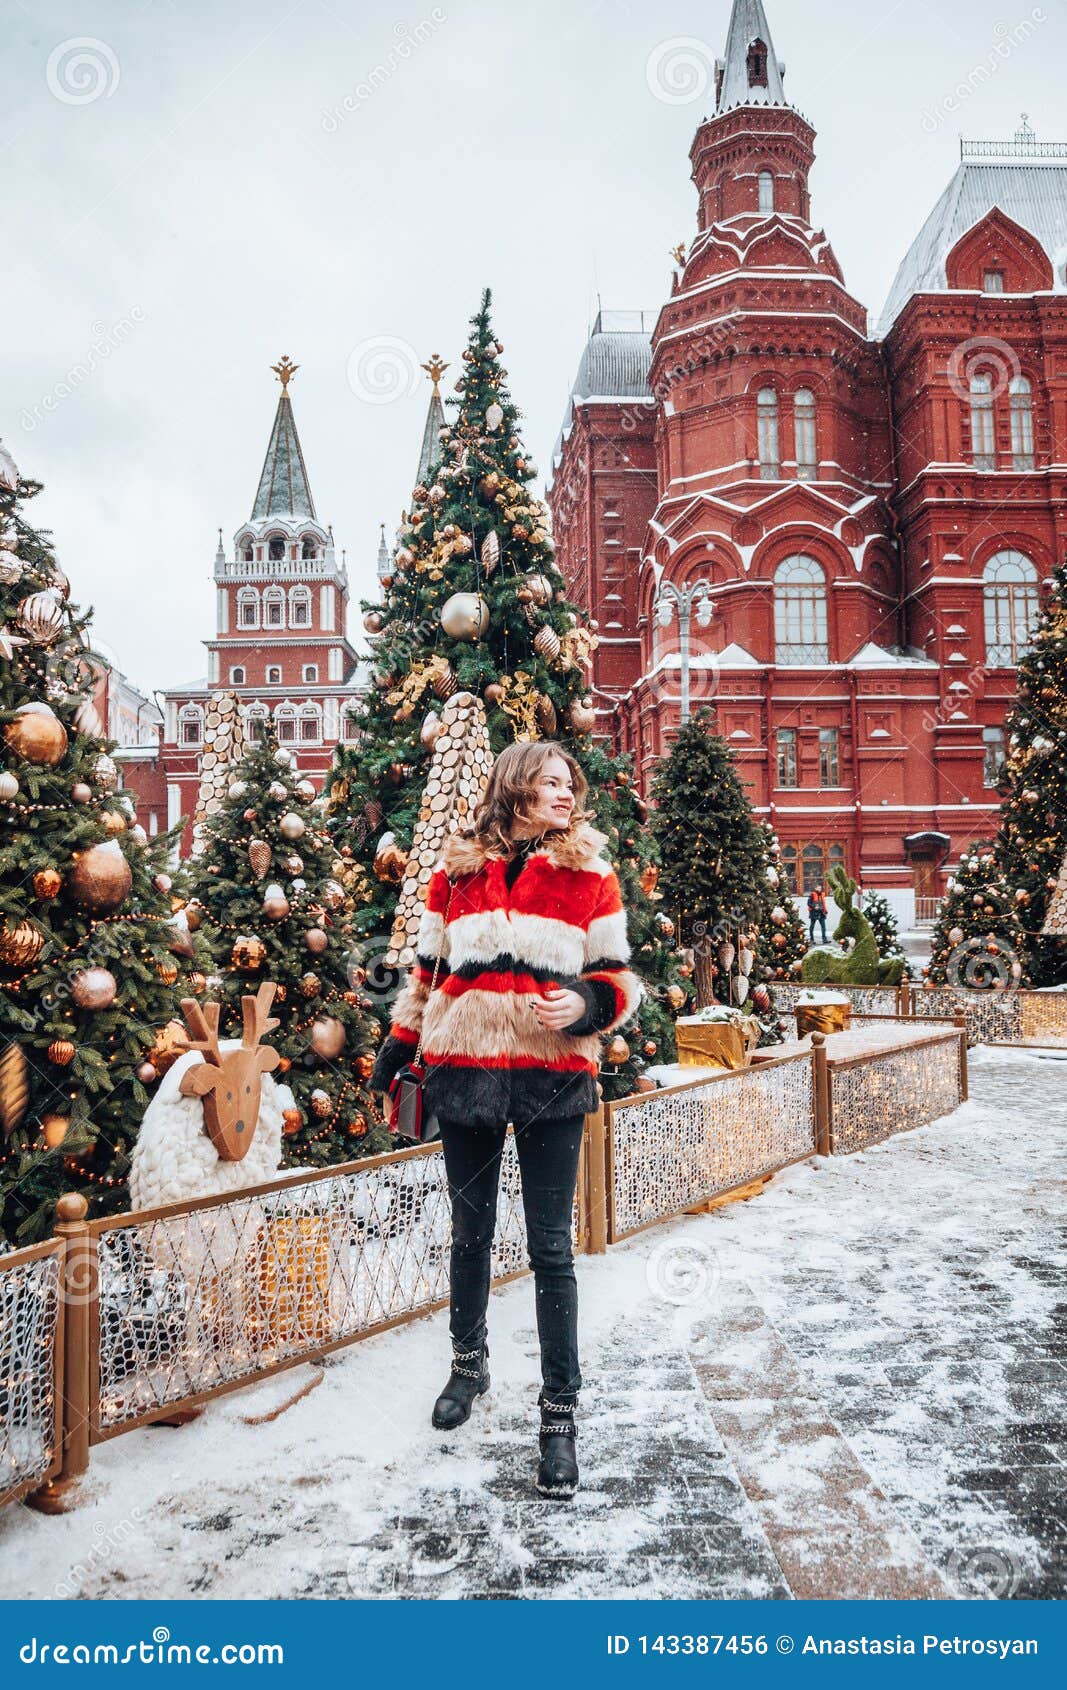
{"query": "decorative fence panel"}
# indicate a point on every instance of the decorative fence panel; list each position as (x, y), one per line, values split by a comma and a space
(874, 1096)
(1043, 1018)
(992, 1017)
(671, 1149)
(196, 1299)
(866, 1000)
(31, 1355)
(1016, 1017)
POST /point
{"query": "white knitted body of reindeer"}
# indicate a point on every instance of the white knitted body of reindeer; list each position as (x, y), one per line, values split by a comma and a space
(176, 1156)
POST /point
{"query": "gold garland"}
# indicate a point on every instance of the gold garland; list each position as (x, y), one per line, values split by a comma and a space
(519, 703)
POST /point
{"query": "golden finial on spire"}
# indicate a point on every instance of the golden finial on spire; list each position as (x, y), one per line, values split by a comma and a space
(285, 371)
(435, 368)
(678, 253)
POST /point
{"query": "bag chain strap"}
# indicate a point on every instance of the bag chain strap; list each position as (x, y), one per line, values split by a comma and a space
(436, 967)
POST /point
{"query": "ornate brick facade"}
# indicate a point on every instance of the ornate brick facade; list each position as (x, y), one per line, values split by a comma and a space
(873, 513)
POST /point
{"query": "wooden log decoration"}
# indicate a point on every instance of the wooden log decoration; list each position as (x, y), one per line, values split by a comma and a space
(459, 770)
(224, 747)
(229, 1083)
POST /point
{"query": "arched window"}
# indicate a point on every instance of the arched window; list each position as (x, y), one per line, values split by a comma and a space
(804, 428)
(300, 607)
(757, 64)
(276, 548)
(237, 676)
(767, 430)
(285, 723)
(309, 547)
(309, 674)
(1021, 401)
(190, 725)
(800, 612)
(983, 436)
(248, 608)
(274, 608)
(244, 548)
(274, 674)
(766, 190)
(1011, 607)
(256, 719)
(311, 724)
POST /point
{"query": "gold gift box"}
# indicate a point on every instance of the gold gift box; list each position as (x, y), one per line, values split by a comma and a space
(716, 1044)
(823, 1018)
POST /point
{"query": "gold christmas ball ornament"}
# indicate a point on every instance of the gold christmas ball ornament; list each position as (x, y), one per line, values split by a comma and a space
(197, 982)
(465, 616)
(364, 1065)
(46, 883)
(618, 1051)
(105, 772)
(80, 793)
(94, 988)
(305, 790)
(113, 822)
(310, 985)
(147, 1074)
(328, 1037)
(321, 1103)
(37, 735)
(292, 1122)
(357, 1127)
(9, 786)
(54, 1129)
(493, 694)
(372, 622)
(61, 1052)
(292, 826)
(100, 879)
(316, 940)
(194, 915)
(41, 617)
(249, 952)
(547, 642)
(675, 997)
(294, 864)
(167, 971)
(275, 902)
(87, 719)
(21, 944)
(171, 1042)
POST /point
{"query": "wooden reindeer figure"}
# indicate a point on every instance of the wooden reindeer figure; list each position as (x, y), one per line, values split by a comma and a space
(230, 1083)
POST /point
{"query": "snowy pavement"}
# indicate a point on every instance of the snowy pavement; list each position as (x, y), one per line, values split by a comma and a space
(852, 1385)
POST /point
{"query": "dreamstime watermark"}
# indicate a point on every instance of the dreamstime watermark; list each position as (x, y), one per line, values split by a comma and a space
(408, 40)
(712, 340)
(103, 344)
(980, 360)
(393, 1568)
(986, 1572)
(1007, 37)
(665, 681)
(383, 369)
(81, 70)
(989, 964)
(680, 70)
(370, 973)
(683, 1272)
(100, 1555)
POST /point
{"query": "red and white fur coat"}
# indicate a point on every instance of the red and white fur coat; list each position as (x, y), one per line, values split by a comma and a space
(562, 923)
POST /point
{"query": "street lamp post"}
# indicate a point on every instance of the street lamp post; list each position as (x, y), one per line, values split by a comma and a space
(667, 598)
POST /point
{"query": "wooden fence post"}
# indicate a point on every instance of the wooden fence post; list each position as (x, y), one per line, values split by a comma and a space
(79, 1288)
(822, 1094)
(961, 1022)
(596, 1182)
(904, 998)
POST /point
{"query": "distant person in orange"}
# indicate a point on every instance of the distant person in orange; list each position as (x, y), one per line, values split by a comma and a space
(817, 913)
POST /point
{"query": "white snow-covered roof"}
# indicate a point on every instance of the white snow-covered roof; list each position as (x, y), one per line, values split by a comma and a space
(873, 656)
(748, 24)
(1031, 190)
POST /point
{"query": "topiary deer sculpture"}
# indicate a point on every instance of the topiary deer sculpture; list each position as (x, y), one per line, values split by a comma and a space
(862, 965)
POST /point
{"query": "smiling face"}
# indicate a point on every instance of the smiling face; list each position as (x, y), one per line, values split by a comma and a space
(552, 801)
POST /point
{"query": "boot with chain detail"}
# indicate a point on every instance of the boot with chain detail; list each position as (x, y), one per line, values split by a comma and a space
(468, 1379)
(557, 1471)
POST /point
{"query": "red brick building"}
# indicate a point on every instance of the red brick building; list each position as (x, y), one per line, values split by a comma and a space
(872, 512)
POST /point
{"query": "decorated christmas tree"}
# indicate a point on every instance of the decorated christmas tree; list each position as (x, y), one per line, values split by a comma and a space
(714, 860)
(93, 958)
(782, 936)
(271, 908)
(474, 602)
(978, 940)
(1031, 845)
(883, 924)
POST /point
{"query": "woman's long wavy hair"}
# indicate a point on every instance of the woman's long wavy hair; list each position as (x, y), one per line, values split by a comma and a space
(511, 792)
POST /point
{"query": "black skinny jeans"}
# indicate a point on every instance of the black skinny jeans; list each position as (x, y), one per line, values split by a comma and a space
(548, 1163)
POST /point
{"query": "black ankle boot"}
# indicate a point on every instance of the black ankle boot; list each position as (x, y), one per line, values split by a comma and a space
(557, 1472)
(468, 1379)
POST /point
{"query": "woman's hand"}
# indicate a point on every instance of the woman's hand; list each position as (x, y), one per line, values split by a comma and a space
(558, 1008)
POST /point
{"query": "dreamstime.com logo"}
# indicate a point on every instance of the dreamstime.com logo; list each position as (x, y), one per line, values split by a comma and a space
(682, 1272)
(82, 70)
(157, 1651)
(392, 1569)
(680, 70)
(665, 682)
(986, 964)
(982, 367)
(370, 973)
(992, 1574)
(383, 369)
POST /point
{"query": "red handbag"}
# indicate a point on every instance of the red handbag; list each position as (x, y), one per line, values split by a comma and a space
(407, 1117)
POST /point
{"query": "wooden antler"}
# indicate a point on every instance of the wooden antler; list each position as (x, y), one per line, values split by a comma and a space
(257, 1021)
(203, 1024)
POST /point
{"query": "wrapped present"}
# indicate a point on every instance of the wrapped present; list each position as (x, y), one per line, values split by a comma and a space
(727, 1041)
(823, 1012)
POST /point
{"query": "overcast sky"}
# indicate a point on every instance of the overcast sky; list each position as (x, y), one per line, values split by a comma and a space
(193, 187)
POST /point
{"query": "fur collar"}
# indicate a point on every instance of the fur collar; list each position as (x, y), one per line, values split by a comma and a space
(574, 847)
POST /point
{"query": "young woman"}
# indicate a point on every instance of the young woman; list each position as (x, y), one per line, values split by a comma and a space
(527, 918)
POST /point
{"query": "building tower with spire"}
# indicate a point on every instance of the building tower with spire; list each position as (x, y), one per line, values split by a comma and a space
(873, 517)
(280, 640)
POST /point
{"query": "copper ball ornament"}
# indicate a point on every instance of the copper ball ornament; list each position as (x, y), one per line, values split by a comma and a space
(46, 883)
(113, 822)
(357, 1127)
(80, 793)
(170, 1043)
(41, 617)
(618, 1051)
(333, 894)
(21, 945)
(493, 694)
(167, 971)
(321, 1103)
(275, 903)
(316, 940)
(37, 735)
(9, 786)
(310, 985)
(675, 997)
(61, 1052)
(106, 773)
(294, 864)
(94, 988)
(292, 1122)
(649, 878)
(54, 1129)
(99, 879)
(465, 616)
(305, 790)
(328, 1037)
(249, 952)
(364, 1065)
(146, 1073)
(292, 826)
